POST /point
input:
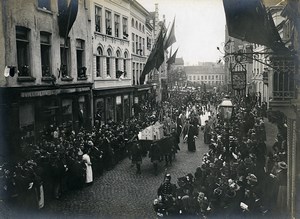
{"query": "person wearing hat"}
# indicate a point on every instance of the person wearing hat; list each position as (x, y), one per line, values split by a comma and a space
(167, 190)
(207, 132)
(282, 190)
(191, 136)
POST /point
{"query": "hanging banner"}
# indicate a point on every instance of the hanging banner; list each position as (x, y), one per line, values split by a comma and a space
(238, 79)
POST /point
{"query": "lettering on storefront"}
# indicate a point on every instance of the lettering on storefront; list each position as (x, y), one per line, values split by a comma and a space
(53, 92)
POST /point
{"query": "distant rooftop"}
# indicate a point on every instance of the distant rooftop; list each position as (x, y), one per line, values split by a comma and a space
(179, 61)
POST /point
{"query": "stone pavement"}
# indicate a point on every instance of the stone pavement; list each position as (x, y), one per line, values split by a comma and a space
(120, 192)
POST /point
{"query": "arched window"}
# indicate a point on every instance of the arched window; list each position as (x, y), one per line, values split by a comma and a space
(118, 72)
(143, 29)
(140, 27)
(136, 25)
(108, 66)
(99, 61)
(132, 22)
(125, 64)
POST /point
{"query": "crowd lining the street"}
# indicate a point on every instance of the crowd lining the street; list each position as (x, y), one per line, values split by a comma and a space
(239, 176)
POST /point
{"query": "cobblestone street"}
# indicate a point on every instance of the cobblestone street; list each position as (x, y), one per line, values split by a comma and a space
(122, 193)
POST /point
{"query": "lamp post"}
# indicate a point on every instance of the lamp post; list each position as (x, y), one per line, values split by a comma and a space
(226, 110)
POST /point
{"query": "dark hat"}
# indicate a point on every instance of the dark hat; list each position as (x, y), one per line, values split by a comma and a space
(282, 165)
(218, 191)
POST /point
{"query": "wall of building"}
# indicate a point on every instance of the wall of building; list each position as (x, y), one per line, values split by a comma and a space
(115, 44)
(28, 14)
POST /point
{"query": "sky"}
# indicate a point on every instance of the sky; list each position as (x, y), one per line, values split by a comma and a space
(199, 27)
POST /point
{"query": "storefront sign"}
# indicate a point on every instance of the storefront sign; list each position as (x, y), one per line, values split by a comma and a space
(53, 92)
(238, 80)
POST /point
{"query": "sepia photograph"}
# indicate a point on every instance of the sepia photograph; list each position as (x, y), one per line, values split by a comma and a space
(148, 109)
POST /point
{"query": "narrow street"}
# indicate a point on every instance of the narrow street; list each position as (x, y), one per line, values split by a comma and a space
(122, 193)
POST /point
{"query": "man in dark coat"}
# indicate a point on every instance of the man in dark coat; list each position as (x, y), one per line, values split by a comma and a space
(207, 133)
(137, 156)
(167, 190)
(191, 136)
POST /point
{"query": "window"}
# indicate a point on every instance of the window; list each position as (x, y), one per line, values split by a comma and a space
(137, 44)
(64, 57)
(133, 72)
(198, 77)
(194, 78)
(205, 77)
(125, 64)
(140, 27)
(99, 61)
(212, 77)
(117, 25)
(136, 25)
(22, 38)
(44, 4)
(108, 63)
(143, 29)
(140, 45)
(133, 43)
(202, 77)
(118, 72)
(81, 69)
(125, 28)
(216, 77)
(132, 22)
(98, 19)
(143, 46)
(190, 78)
(208, 77)
(108, 22)
(148, 43)
(45, 53)
(141, 69)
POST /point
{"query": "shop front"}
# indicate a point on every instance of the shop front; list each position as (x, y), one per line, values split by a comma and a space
(36, 110)
(113, 104)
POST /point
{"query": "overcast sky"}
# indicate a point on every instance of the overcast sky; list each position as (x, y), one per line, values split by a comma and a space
(199, 27)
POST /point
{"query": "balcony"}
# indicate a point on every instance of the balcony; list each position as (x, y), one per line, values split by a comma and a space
(284, 85)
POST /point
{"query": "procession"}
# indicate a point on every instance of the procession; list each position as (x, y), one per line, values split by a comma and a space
(149, 109)
(238, 176)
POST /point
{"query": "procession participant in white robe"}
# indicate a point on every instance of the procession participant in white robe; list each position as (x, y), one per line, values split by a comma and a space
(89, 171)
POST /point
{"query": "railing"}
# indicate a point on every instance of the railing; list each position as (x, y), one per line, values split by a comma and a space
(283, 78)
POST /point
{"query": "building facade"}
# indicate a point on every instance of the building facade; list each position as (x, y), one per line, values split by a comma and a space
(210, 74)
(48, 75)
(112, 90)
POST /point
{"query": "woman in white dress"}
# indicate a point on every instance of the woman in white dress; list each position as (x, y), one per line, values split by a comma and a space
(88, 165)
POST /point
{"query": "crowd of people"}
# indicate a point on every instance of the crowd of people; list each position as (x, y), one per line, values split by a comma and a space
(238, 177)
(63, 160)
(239, 174)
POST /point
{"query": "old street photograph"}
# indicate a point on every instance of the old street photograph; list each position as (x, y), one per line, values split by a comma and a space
(147, 109)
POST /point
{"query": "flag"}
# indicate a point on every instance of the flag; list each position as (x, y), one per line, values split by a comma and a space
(171, 37)
(171, 60)
(249, 21)
(160, 52)
(154, 58)
(67, 13)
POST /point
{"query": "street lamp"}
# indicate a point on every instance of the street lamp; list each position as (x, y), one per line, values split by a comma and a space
(225, 110)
